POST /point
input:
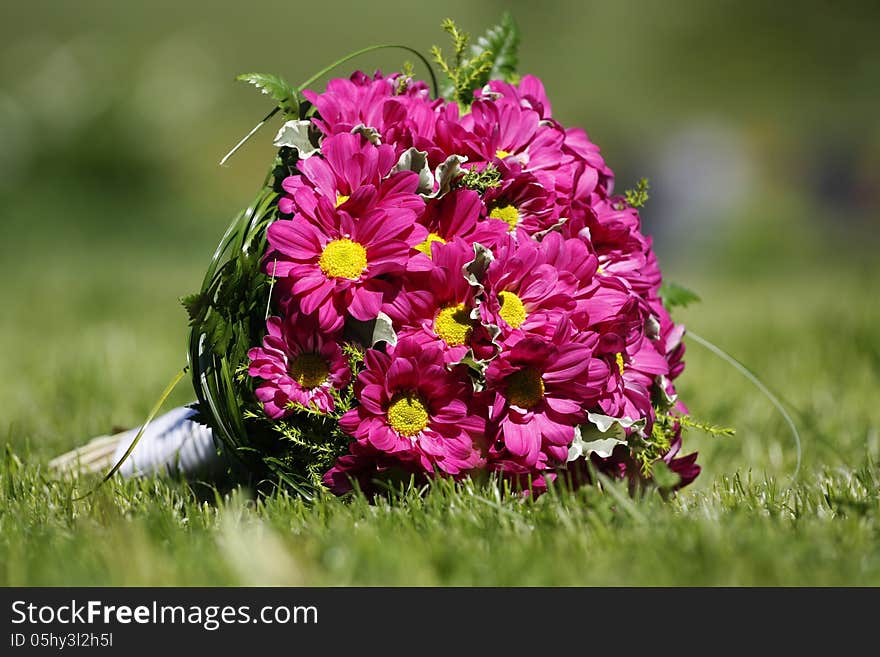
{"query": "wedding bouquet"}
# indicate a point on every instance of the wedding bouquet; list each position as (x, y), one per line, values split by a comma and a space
(438, 284)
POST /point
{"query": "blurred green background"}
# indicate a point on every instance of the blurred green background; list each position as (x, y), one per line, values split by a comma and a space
(758, 125)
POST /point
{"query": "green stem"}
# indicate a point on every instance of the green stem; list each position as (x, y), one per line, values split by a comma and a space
(746, 372)
(327, 69)
(153, 412)
(363, 51)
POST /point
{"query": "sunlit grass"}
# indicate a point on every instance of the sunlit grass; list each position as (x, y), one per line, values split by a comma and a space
(736, 532)
(91, 333)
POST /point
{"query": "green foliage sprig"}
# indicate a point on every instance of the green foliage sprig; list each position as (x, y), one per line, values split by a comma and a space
(711, 429)
(494, 55)
(648, 450)
(275, 87)
(638, 197)
(481, 180)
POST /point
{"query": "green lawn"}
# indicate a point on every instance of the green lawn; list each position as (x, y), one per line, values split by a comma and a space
(90, 333)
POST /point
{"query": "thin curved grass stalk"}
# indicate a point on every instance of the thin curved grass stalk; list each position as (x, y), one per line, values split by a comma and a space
(152, 414)
(327, 69)
(271, 287)
(746, 372)
(363, 51)
(249, 135)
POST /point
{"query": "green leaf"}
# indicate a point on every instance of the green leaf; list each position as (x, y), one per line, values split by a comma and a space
(371, 332)
(447, 174)
(674, 295)
(601, 435)
(474, 270)
(383, 331)
(296, 134)
(502, 41)
(276, 87)
(196, 305)
(416, 161)
(663, 477)
(604, 447)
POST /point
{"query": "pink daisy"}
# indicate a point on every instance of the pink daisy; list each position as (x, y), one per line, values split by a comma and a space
(501, 132)
(399, 109)
(412, 407)
(669, 343)
(540, 391)
(614, 230)
(354, 175)
(524, 292)
(572, 257)
(633, 360)
(579, 169)
(460, 214)
(521, 201)
(578, 147)
(335, 266)
(364, 466)
(528, 92)
(437, 305)
(300, 366)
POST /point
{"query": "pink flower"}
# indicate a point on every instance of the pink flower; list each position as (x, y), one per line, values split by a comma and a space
(521, 201)
(684, 466)
(579, 148)
(399, 109)
(437, 305)
(524, 292)
(501, 132)
(335, 266)
(614, 230)
(576, 185)
(299, 365)
(413, 408)
(633, 362)
(541, 390)
(364, 466)
(528, 92)
(669, 343)
(562, 313)
(572, 258)
(353, 175)
(460, 214)
(578, 168)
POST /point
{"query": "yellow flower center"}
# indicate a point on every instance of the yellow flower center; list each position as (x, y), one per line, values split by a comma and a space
(512, 309)
(343, 259)
(407, 414)
(501, 154)
(506, 213)
(425, 247)
(341, 198)
(309, 370)
(619, 358)
(453, 325)
(525, 388)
